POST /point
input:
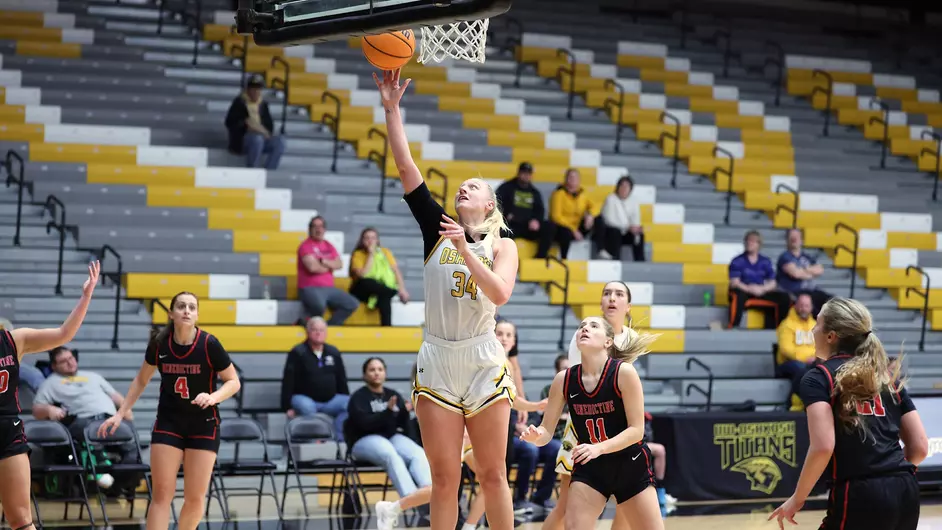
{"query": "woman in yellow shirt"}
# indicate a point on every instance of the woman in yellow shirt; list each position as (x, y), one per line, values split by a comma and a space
(376, 276)
(570, 217)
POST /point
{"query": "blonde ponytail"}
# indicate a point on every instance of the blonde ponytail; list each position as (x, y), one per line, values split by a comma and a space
(493, 223)
(636, 345)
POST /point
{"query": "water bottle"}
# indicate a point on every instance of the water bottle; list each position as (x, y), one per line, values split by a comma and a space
(707, 299)
(266, 291)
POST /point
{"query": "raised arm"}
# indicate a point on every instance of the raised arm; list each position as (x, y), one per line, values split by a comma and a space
(28, 340)
(390, 92)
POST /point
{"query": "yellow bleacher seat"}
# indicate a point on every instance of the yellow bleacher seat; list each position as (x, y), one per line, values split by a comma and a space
(533, 140)
(704, 273)
(913, 300)
(229, 219)
(818, 220)
(141, 175)
(348, 339)
(59, 50)
(31, 19)
(200, 197)
(641, 62)
(541, 271)
(664, 76)
(29, 34)
(82, 153)
(885, 278)
(12, 114)
(143, 285)
(22, 132)
(681, 253)
(266, 241)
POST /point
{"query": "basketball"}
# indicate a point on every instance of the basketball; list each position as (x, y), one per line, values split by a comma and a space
(389, 51)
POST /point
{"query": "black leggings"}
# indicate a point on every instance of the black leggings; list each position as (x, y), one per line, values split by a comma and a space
(364, 288)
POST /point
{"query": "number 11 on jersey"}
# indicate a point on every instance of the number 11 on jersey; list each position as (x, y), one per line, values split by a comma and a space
(596, 430)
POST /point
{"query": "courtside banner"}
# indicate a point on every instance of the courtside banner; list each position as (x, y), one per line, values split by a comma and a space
(930, 411)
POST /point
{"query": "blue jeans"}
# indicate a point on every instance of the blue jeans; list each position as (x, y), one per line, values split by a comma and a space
(336, 408)
(316, 300)
(526, 455)
(793, 370)
(254, 145)
(403, 460)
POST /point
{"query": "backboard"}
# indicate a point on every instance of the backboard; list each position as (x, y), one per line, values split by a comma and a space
(287, 22)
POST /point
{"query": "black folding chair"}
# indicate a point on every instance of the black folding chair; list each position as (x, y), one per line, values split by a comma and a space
(124, 435)
(239, 431)
(51, 437)
(306, 431)
(356, 482)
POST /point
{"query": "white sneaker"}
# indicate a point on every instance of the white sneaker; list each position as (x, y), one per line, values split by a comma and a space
(387, 515)
(670, 499)
(603, 254)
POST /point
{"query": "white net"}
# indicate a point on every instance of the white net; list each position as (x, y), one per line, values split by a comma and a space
(462, 40)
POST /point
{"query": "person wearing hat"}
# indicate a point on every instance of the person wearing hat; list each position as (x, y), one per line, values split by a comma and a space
(522, 204)
(251, 128)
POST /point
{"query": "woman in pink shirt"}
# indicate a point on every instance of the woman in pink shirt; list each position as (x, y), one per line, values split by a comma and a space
(317, 261)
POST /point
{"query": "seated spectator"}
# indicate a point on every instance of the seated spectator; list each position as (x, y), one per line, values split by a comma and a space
(78, 397)
(251, 128)
(570, 216)
(376, 427)
(796, 343)
(317, 261)
(522, 204)
(620, 223)
(752, 285)
(376, 276)
(315, 379)
(797, 271)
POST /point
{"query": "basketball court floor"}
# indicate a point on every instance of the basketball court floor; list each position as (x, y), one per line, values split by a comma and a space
(688, 516)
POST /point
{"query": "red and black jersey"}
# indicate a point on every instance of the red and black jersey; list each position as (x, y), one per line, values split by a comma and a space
(9, 375)
(186, 372)
(600, 414)
(874, 451)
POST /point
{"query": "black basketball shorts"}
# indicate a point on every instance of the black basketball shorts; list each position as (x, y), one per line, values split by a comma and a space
(621, 475)
(12, 437)
(186, 433)
(884, 502)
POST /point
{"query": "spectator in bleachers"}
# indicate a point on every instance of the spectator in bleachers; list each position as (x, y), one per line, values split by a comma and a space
(752, 285)
(376, 427)
(620, 223)
(797, 272)
(570, 216)
(376, 276)
(317, 261)
(78, 397)
(251, 128)
(522, 204)
(315, 379)
(796, 343)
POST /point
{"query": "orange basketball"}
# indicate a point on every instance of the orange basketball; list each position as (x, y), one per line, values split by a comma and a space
(389, 51)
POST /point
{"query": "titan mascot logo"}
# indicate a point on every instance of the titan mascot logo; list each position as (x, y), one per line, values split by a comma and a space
(753, 449)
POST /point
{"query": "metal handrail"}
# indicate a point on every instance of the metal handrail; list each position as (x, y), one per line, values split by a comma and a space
(779, 62)
(379, 159)
(938, 159)
(728, 52)
(676, 137)
(285, 87)
(829, 92)
(840, 246)
(794, 208)
(925, 301)
(116, 278)
(729, 173)
(571, 70)
(702, 365)
(885, 121)
(333, 121)
(21, 183)
(51, 203)
(443, 196)
(565, 290)
(699, 389)
(620, 104)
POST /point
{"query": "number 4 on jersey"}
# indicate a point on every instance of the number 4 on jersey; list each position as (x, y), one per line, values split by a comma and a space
(180, 387)
(871, 407)
(596, 430)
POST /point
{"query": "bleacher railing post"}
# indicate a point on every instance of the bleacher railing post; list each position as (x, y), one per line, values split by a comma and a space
(829, 92)
(20, 181)
(729, 174)
(620, 104)
(854, 251)
(794, 208)
(925, 301)
(117, 291)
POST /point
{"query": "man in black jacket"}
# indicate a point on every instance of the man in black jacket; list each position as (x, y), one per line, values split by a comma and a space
(522, 204)
(251, 128)
(315, 379)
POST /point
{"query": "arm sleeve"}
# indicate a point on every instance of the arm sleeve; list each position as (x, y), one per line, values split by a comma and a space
(362, 415)
(786, 340)
(735, 271)
(357, 260)
(428, 214)
(769, 270)
(235, 118)
(389, 257)
(815, 387)
(218, 356)
(150, 355)
(44, 394)
(341, 373)
(287, 381)
(906, 404)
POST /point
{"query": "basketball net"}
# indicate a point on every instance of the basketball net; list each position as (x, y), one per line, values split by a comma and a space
(463, 40)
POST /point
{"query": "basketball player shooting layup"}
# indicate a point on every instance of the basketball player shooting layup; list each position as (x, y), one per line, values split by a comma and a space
(606, 405)
(463, 377)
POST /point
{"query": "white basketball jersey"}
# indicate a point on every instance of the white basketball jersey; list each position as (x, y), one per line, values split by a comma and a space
(455, 308)
(575, 356)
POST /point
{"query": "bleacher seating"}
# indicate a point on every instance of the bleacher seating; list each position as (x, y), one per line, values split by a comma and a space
(124, 126)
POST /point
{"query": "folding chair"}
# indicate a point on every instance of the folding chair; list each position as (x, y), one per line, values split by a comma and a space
(124, 435)
(238, 431)
(50, 436)
(313, 430)
(356, 466)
